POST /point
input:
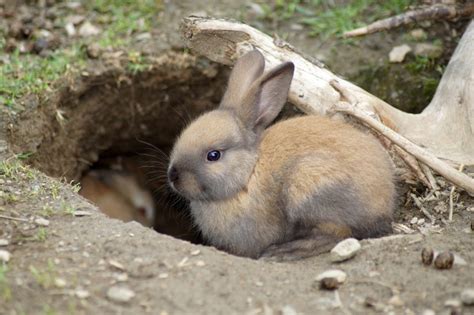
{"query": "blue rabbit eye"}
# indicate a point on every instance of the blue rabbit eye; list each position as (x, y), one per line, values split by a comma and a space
(213, 155)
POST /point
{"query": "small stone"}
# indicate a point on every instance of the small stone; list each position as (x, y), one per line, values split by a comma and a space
(200, 263)
(370, 301)
(81, 293)
(396, 301)
(3, 242)
(467, 297)
(120, 294)
(82, 213)
(60, 282)
(259, 284)
(93, 50)
(288, 310)
(88, 29)
(427, 256)
(452, 303)
(421, 222)
(428, 312)
(70, 29)
(116, 264)
(121, 277)
(418, 34)
(40, 45)
(428, 50)
(256, 10)
(458, 260)
(195, 252)
(414, 220)
(398, 53)
(345, 250)
(42, 222)
(163, 275)
(5, 255)
(444, 260)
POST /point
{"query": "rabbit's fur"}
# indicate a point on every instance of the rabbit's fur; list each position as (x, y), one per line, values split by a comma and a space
(286, 192)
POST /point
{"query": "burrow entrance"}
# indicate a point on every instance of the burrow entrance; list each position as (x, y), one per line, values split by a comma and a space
(111, 130)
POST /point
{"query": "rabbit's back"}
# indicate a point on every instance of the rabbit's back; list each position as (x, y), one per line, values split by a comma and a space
(329, 173)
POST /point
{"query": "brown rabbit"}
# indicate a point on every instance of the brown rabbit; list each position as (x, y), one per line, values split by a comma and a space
(118, 195)
(286, 192)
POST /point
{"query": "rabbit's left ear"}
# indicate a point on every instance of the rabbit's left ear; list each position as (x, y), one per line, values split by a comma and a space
(271, 94)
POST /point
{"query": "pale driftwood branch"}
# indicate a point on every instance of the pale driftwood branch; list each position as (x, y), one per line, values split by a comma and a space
(434, 12)
(429, 175)
(454, 176)
(413, 164)
(445, 128)
(6, 217)
(451, 198)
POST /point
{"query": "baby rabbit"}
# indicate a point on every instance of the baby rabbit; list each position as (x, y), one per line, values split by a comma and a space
(283, 193)
(119, 195)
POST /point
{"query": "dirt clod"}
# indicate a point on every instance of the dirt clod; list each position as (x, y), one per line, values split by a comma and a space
(427, 256)
(444, 260)
(329, 283)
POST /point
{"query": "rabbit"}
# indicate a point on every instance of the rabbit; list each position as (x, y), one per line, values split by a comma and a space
(286, 192)
(119, 195)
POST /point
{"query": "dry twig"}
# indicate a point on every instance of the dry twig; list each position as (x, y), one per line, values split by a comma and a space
(354, 109)
(13, 218)
(434, 12)
(451, 198)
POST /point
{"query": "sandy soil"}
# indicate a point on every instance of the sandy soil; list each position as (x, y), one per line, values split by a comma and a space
(70, 265)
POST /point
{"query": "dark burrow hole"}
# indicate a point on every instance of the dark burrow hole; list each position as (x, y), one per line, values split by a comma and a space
(111, 131)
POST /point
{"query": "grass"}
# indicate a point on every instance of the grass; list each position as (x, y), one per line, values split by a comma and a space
(5, 291)
(326, 20)
(46, 277)
(27, 73)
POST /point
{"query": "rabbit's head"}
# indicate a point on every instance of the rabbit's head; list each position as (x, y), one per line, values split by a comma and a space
(214, 157)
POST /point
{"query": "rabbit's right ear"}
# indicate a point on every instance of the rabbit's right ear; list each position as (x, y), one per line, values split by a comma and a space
(247, 70)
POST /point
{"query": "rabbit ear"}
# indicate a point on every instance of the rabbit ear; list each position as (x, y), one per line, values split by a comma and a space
(272, 92)
(247, 70)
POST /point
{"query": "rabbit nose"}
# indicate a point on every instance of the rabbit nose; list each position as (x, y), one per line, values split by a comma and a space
(173, 174)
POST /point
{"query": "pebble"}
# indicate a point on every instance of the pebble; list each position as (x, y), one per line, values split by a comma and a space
(467, 297)
(120, 294)
(5, 255)
(414, 220)
(88, 29)
(81, 213)
(396, 301)
(121, 277)
(60, 282)
(418, 34)
(163, 275)
(116, 264)
(93, 50)
(288, 310)
(444, 260)
(345, 250)
(42, 222)
(3, 242)
(452, 303)
(398, 53)
(200, 263)
(81, 293)
(428, 312)
(195, 252)
(331, 279)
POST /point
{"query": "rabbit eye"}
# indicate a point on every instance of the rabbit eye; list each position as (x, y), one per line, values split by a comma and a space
(213, 155)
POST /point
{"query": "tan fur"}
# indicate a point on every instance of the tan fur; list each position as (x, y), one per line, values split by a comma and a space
(122, 199)
(287, 192)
